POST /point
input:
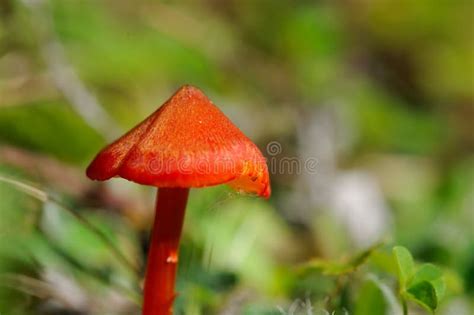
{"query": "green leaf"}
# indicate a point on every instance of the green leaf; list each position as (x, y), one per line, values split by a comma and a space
(428, 272)
(405, 264)
(423, 293)
(432, 274)
(426, 286)
(371, 300)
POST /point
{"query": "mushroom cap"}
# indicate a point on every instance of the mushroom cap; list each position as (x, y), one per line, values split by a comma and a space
(187, 142)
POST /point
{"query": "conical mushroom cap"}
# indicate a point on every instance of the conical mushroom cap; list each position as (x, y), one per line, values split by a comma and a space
(187, 142)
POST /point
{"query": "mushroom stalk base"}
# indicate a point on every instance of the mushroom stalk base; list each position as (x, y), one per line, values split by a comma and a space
(159, 292)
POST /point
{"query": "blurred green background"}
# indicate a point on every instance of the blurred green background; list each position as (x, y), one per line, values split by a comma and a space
(378, 92)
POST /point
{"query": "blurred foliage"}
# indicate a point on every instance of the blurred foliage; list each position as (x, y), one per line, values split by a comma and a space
(36, 126)
(391, 82)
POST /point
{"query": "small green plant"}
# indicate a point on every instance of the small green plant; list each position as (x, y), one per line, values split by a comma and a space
(368, 275)
(424, 284)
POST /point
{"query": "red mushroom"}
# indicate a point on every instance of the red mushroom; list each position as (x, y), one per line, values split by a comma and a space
(188, 142)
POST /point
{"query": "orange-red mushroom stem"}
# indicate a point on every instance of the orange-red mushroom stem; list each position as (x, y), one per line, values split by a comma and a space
(159, 292)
